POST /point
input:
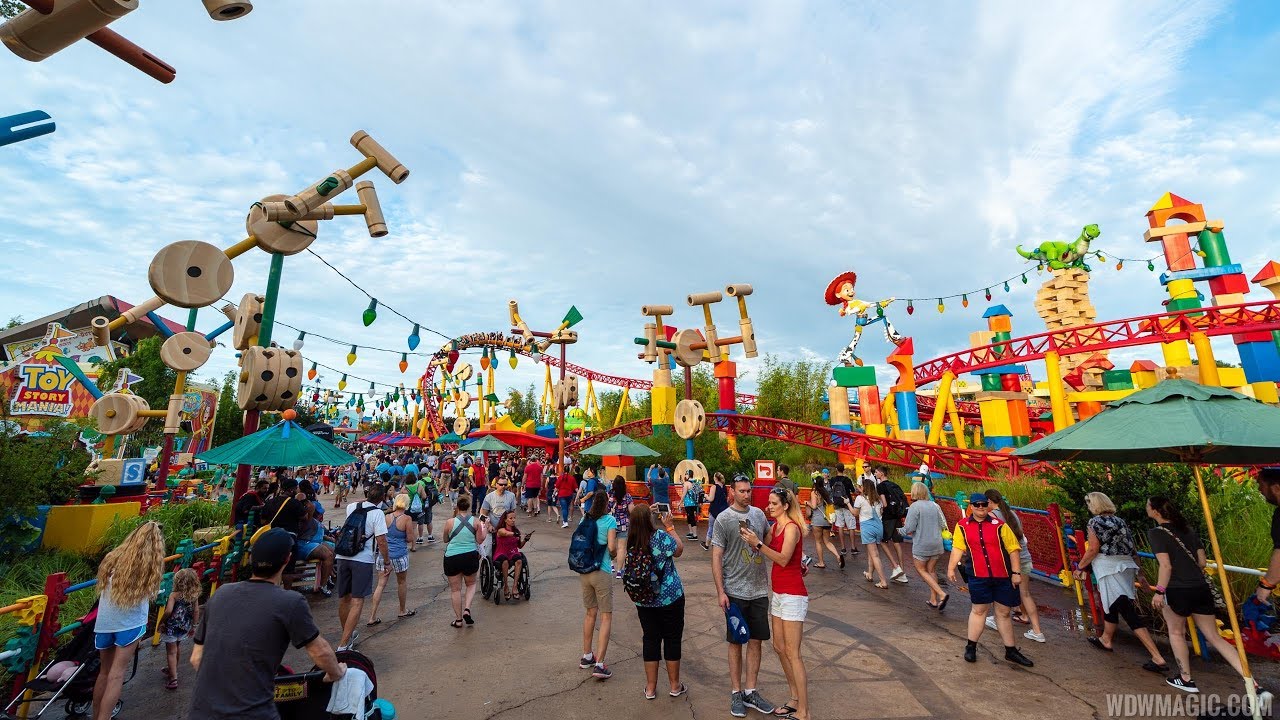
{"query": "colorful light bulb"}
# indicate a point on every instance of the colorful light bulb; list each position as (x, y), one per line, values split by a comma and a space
(404, 362)
(414, 338)
(297, 344)
(370, 313)
(342, 384)
(351, 356)
(311, 374)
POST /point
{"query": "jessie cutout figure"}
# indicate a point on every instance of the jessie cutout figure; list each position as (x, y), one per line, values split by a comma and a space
(840, 291)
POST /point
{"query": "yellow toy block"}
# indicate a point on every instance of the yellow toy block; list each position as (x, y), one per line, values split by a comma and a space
(1228, 299)
(79, 528)
(980, 338)
(879, 429)
(1176, 354)
(995, 417)
(1231, 377)
(1265, 392)
(1098, 395)
(664, 405)
(1179, 289)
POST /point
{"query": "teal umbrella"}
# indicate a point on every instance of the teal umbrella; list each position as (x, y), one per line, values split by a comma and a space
(620, 445)
(1176, 421)
(285, 444)
(449, 438)
(488, 443)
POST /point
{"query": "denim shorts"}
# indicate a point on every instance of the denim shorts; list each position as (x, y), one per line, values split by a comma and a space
(122, 638)
(872, 531)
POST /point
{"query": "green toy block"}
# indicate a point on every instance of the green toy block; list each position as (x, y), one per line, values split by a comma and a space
(1021, 440)
(1188, 303)
(991, 381)
(848, 377)
(1117, 380)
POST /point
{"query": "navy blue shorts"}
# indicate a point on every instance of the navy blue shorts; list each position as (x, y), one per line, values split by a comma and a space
(984, 591)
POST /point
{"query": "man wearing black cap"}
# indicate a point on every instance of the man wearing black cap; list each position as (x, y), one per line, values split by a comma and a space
(244, 631)
(996, 566)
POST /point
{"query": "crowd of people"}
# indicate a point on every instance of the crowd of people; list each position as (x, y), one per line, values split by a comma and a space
(757, 558)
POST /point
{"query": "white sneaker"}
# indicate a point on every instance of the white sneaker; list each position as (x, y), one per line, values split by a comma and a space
(991, 623)
(1033, 635)
(897, 572)
(902, 578)
(564, 525)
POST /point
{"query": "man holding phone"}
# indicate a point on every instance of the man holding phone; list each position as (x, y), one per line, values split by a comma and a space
(743, 580)
(660, 487)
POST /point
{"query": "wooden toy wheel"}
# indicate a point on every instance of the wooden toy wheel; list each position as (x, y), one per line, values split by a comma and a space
(117, 413)
(685, 355)
(463, 401)
(190, 274)
(248, 321)
(464, 372)
(185, 351)
(684, 466)
(461, 426)
(276, 238)
(270, 379)
(690, 419)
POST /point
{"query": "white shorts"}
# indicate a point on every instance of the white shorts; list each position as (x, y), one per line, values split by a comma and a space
(844, 519)
(789, 607)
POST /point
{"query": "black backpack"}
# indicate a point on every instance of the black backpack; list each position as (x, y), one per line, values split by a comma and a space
(895, 501)
(351, 538)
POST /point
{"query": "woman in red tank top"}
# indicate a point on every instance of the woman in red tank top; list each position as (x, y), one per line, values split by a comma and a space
(789, 603)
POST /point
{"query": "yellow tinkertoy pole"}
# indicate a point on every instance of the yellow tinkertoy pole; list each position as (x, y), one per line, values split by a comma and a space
(1204, 358)
(1221, 569)
(957, 427)
(622, 406)
(940, 407)
(1057, 398)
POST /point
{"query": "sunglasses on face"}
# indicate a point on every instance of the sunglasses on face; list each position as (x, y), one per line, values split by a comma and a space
(981, 504)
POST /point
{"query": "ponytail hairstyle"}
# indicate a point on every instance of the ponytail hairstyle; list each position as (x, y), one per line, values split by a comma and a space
(1169, 512)
(1010, 517)
(869, 490)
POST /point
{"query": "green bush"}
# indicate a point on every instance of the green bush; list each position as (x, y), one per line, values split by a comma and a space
(178, 521)
(1128, 486)
(35, 471)
(26, 578)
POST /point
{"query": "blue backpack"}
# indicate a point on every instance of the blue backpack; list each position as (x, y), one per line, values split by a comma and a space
(584, 551)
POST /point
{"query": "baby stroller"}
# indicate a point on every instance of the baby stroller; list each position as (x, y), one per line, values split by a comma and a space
(304, 696)
(77, 688)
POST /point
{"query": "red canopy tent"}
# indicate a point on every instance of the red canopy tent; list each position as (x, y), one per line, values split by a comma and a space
(518, 439)
(411, 441)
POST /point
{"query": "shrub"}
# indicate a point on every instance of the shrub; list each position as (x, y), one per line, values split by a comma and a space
(178, 521)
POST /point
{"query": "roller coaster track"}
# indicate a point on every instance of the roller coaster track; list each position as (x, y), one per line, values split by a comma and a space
(1145, 330)
(976, 464)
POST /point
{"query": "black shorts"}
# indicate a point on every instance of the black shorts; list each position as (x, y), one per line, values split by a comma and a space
(757, 614)
(531, 493)
(891, 527)
(1185, 602)
(984, 591)
(464, 564)
(355, 579)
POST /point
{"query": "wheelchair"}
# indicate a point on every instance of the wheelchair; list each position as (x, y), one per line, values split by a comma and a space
(491, 576)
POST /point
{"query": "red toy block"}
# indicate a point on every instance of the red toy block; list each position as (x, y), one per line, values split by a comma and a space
(1251, 337)
(869, 405)
(1229, 284)
(617, 461)
(1012, 383)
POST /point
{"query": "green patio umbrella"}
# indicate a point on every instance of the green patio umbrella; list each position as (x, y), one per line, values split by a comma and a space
(1176, 421)
(620, 445)
(285, 444)
(448, 438)
(488, 443)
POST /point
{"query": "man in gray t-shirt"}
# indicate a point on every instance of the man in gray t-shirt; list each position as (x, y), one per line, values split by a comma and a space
(742, 579)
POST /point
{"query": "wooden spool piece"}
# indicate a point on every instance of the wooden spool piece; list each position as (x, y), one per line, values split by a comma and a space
(565, 337)
(464, 401)
(464, 372)
(271, 379)
(461, 426)
(691, 419)
(185, 351)
(685, 355)
(190, 274)
(699, 470)
(117, 413)
(276, 238)
(248, 321)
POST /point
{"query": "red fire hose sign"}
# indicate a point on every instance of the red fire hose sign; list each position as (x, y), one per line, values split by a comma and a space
(764, 470)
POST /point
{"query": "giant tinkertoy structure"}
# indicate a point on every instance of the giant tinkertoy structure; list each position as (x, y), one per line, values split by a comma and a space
(51, 26)
(193, 274)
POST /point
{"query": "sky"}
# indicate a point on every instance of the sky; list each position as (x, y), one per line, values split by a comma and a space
(612, 155)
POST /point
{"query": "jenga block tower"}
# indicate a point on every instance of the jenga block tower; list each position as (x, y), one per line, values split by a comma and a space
(1063, 302)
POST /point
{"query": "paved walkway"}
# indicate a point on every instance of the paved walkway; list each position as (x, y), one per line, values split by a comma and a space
(870, 653)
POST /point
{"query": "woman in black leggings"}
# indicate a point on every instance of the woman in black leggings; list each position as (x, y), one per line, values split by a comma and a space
(662, 611)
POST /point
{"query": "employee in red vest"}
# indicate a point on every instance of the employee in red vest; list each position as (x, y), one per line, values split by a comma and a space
(994, 568)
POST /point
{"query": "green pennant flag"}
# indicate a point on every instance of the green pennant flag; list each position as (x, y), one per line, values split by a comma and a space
(573, 317)
(491, 397)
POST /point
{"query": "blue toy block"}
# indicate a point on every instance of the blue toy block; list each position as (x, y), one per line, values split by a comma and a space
(997, 311)
(998, 442)
(1260, 360)
(1200, 273)
(904, 403)
(1002, 370)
